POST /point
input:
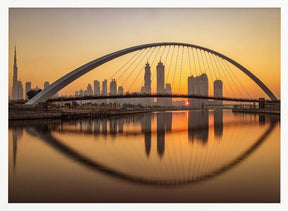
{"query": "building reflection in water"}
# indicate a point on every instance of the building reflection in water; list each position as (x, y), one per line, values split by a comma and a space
(104, 126)
(120, 125)
(16, 134)
(218, 122)
(261, 119)
(146, 129)
(198, 128)
(89, 127)
(113, 127)
(198, 125)
(96, 127)
(164, 123)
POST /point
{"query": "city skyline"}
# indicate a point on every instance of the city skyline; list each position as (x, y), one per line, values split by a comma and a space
(197, 85)
(162, 87)
(60, 65)
(165, 103)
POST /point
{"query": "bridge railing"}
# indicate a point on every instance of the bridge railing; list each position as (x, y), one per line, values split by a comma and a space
(94, 97)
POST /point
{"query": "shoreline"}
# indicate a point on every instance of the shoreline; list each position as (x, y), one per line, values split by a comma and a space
(73, 114)
(256, 111)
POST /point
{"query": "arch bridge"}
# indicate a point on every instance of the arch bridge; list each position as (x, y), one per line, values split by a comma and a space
(45, 94)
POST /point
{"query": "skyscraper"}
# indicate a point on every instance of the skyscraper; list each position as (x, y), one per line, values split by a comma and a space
(20, 90)
(120, 90)
(113, 87)
(27, 88)
(147, 79)
(46, 84)
(96, 87)
(104, 87)
(218, 91)
(192, 88)
(203, 89)
(17, 87)
(168, 90)
(160, 82)
(198, 86)
(89, 90)
(15, 75)
(146, 89)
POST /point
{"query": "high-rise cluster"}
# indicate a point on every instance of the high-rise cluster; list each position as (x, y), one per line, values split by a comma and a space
(198, 86)
(97, 90)
(161, 87)
(17, 88)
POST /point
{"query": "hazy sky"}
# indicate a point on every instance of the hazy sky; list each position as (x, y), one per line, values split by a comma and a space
(52, 42)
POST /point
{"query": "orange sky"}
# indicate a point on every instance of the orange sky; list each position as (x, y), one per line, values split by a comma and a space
(52, 42)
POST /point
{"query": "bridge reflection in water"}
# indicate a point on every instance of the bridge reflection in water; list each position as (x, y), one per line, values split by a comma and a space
(191, 146)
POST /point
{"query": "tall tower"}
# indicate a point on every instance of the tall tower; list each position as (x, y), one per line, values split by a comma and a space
(147, 79)
(218, 90)
(113, 87)
(198, 86)
(120, 90)
(104, 87)
(168, 90)
(27, 88)
(96, 87)
(203, 88)
(160, 81)
(46, 84)
(89, 90)
(15, 76)
(19, 90)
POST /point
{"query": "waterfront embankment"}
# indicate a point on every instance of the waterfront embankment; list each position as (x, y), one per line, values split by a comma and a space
(23, 112)
(256, 111)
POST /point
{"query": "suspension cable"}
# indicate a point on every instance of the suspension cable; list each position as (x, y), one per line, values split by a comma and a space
(176, 65)
(170, 62)
(124, 65)
(213, 57)
(212, 64)
(196, 71)
(233, 82)
(131, 64)
(208, 75)
(237, 78)
(135, 68)
(140, 70)
(189, 61)
(181, 69)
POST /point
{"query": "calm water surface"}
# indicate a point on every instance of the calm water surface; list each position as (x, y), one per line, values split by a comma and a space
(183, 156)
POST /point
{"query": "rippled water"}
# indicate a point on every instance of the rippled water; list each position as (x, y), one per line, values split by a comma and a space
(183, 156)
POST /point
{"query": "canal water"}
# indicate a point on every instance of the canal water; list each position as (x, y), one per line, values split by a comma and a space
(179, 156)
